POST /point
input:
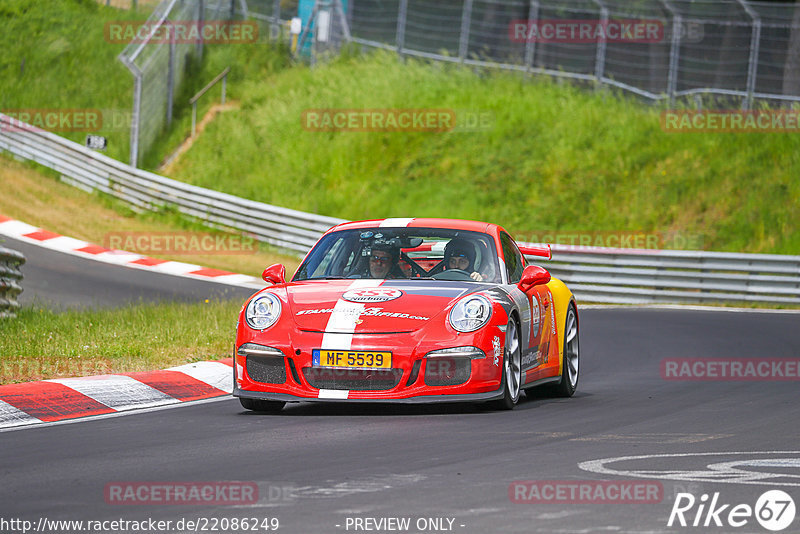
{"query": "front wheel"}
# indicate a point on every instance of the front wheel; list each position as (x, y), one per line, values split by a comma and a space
(569, 367)
(258, 405)
(512, 369)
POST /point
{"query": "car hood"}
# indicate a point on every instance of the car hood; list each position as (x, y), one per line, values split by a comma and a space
(372, 306)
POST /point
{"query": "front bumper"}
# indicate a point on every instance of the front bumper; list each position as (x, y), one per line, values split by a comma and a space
(287, 373)
(420, 399)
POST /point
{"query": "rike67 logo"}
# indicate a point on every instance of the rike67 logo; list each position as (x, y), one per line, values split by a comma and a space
(774, 510)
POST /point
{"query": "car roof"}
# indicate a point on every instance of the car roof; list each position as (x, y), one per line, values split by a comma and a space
(450, 224)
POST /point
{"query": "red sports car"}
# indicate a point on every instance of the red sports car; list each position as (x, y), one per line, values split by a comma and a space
(408, 310)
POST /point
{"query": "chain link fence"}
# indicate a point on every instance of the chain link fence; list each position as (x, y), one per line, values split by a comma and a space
(727, 51)
(275, 13)
(732, 51)
(159, 64)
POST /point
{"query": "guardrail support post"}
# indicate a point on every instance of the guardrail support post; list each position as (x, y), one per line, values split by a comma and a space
(402, 13)
(201, 19)
(224, 87)
(276, 16)
(600, 56)
(755, 42)
(193, 101)
(136, 116)
(674, 51)
(530, 44)
(170, 74)
(466, 22)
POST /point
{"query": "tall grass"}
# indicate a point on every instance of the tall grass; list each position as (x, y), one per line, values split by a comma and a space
(41, 344)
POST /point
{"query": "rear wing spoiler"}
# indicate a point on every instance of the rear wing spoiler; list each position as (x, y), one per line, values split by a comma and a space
(542, 250)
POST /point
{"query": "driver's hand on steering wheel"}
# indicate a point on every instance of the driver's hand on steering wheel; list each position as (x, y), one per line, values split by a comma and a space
(476, 276)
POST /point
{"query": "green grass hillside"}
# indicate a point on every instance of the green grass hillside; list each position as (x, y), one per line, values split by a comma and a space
(55, 56)
(556, 157)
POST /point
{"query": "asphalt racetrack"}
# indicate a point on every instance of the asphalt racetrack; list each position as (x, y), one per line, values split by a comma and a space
(328, 468)
(57, 280)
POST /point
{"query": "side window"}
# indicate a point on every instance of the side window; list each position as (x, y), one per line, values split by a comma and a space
(323, 267)
(515, 263)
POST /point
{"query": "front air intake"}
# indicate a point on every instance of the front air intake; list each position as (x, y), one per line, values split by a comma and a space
(353, 379)
(264, 364)
(447, 371)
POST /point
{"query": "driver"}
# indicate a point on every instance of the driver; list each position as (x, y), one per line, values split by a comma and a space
(383, 260)
(460, 254)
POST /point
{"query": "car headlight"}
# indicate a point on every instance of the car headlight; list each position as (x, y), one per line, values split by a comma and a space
(263, 311)
(470, 313)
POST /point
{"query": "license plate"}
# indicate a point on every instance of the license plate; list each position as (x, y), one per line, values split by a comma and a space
(353, 359)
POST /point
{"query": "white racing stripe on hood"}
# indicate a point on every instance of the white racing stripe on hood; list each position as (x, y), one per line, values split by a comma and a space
(396, 223)
(342, 322)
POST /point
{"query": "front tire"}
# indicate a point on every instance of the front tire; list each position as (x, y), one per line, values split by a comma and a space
(258, 405)
(570, 365)
(512, 369)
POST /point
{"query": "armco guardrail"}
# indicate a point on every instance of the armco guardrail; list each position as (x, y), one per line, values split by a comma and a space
(594, 274)
(89, 170)
(662, 276)
(10, 281)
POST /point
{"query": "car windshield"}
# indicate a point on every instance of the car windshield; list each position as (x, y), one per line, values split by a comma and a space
(415, 253)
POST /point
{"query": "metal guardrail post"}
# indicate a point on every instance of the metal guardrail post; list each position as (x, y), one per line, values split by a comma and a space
(600, 56)
(339, 8)
(10, 281)
(201, 20)
(276, 17)
(755, 42)
(466, 21)
(674, 51)
(193, 101)
(402, 14)
(136, 117)
(530, 45)
(171, 73)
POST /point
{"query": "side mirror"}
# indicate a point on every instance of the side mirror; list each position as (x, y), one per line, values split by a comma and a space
(533, 275)
(275, 274)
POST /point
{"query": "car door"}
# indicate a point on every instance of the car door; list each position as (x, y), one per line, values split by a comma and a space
(535, 314)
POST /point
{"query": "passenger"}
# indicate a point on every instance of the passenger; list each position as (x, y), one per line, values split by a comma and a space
(460, 254)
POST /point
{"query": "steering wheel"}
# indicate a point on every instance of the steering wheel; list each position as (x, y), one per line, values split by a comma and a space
(446, 275)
